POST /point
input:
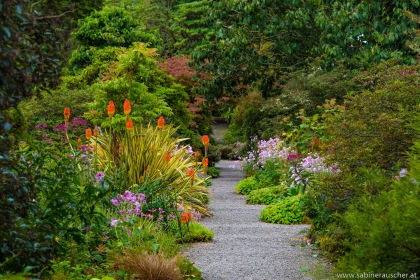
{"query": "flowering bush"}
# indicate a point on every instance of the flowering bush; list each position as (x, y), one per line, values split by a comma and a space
(270, 150)
(273, 159)
(305, 169)
(65, 196)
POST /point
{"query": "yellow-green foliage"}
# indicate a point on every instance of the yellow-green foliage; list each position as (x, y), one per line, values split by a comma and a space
(247, 185)
(143, 156)
(287, 211)
(197, 233)
(265, 195)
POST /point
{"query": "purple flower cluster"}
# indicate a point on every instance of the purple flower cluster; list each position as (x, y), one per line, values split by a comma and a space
(130, 205)
(99, 177)
(311, 164)
(41, 126)
(270, 150)
(77, 122)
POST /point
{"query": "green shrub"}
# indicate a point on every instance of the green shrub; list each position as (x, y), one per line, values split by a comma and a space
(287, 211)
(197, 233)
(247, 185)
(384, 229)
(213, 172)
(373, 128)
(265, 195)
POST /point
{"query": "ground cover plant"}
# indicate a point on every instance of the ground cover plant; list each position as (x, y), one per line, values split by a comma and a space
(266, 195)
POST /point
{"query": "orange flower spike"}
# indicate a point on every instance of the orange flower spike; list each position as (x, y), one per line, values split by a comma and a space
(205, 140)
(167, 157)
(129, 124)
(88, 133)
(79, 143)
(191, 174)
(205, 162)
(111, 109)
(96, 131)
(127, 107)
(161, 122)
(186, 217)
(120, 150)
(196, 154)
(66, 114)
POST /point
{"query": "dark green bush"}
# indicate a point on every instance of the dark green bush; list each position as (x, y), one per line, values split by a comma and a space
(213, 172)
(287, 211)
(384, 228)
(48, 107)
(265, 195)
(373, 128)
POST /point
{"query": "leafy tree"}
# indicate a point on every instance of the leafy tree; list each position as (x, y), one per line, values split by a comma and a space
(182, 25)
(112, 27)
(360, 33)
(257, 42)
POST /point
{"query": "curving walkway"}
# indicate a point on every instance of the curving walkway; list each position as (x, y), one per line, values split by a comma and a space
(244, 247)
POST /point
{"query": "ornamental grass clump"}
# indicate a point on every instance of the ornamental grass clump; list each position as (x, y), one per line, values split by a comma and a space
(152, 153)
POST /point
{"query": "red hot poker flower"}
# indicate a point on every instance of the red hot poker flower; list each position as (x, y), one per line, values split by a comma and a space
(129, 124)
(167, 157)
(79, 143)
(127, 106)
(190, 172)
(96, 131)
(66, 114)
(196, 154)
(186, 217)
(111, 109)
(205, 140)
(161, 122)
(205, 162)
(88, 133)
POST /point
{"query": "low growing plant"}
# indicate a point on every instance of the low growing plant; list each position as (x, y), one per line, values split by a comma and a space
(288, 211)
(247, 185)
(265, 195)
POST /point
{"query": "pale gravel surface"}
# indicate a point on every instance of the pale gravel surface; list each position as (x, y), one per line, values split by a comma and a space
(244, 247)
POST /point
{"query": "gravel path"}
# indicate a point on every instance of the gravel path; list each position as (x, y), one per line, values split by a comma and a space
(244, 247)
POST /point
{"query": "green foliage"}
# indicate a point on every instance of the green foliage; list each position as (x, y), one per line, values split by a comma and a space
(383, 228)
(63, 196)
(188, 269)
(372, 129)
(265, 195)
(287, 211)
(120, 73)
(247, 185)
(213, 172)
(33, 45)
(257, 42)
(197, 233)
(48, 107)
(360, 34)
(112, 27)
